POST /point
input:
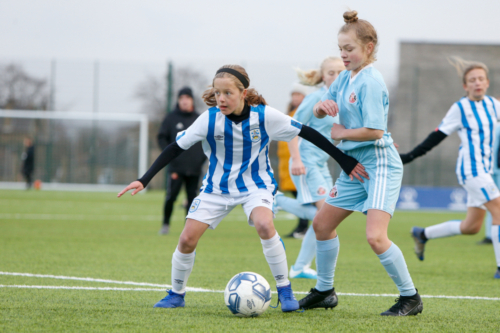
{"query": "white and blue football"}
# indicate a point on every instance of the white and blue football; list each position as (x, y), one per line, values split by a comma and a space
(247, 294)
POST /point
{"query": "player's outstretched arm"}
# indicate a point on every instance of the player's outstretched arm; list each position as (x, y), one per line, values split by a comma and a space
(430, 142)
(349, 164)
(167, 155)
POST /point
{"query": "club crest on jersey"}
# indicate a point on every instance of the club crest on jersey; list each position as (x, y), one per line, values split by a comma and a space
(321, 190)
(194, 205)
(255, 134)
(333, 192)
(353, 98)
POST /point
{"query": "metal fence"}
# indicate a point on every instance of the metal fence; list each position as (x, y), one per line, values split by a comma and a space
(418, 103)
(74, 148)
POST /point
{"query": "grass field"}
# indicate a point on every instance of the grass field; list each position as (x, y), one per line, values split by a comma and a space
(97, 236)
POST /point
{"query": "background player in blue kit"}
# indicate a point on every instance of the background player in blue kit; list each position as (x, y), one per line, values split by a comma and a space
(474, 118)
(360, 97)
(235, 134)
(308, 164)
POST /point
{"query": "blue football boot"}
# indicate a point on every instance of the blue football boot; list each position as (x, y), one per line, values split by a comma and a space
(173, 300)
(416, 233)
(287, 299)
(497, 274)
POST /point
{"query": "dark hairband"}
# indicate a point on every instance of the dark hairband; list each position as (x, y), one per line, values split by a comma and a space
(234, 72)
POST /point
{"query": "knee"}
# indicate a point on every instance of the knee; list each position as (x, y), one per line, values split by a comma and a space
(265, 228)
(470, 230)
(375, 240)
(318, 226)
(187, 243)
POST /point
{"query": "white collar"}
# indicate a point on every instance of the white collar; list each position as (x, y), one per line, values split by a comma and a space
(351, 79)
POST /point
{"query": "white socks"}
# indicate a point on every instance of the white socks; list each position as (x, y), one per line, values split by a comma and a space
(182, 265)
(274, 250)
(445, 229)
(495, 238)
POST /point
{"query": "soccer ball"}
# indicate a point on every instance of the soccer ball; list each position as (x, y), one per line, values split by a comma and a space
(247, 294)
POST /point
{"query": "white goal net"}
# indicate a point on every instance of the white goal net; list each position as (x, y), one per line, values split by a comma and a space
(74, 150)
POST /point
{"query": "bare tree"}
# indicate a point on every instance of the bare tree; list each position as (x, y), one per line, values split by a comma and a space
(153, 91)
(21, 91)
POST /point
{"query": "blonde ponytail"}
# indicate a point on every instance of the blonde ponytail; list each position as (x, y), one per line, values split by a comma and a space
(314, 77)
(463, 67)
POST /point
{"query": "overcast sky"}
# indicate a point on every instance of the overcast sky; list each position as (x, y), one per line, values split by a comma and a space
(290, 31)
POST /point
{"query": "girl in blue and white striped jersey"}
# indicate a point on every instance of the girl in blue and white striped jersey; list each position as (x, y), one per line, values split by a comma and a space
(235, 134)
(474, 118)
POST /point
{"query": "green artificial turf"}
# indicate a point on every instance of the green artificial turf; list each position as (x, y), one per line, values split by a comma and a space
(98, 236)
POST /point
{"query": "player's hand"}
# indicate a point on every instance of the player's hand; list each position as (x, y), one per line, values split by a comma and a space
(358, 172)
(329, 107)
(337, 132)
(136, 186)
(396, 145)
(298, 167)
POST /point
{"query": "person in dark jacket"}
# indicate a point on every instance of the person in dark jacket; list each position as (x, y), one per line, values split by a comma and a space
(28, 158)
(187, 167)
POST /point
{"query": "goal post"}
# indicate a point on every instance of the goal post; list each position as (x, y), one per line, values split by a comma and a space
(79, 151)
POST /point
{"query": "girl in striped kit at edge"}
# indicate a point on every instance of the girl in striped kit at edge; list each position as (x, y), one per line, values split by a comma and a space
(235, 133)
(474, 118)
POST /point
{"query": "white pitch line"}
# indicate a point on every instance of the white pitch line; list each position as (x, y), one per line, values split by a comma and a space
(423, 296)
(81, 217)
(78, 217)
(76, 288)
(221, 291)
(61, 277)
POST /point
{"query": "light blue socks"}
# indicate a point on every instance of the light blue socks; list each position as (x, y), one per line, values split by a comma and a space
(294, 207)
(487, 227)
(326, 260)
(395, 265)
(307, 250)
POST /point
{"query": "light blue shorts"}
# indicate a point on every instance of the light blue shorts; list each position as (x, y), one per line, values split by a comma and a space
(314, 185)
(380, 192)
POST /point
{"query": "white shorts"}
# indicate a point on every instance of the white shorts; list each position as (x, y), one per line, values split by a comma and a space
(480, 190)
(212, 208)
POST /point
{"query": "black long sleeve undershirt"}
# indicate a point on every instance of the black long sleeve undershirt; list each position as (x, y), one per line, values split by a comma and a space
(430, 142)
(167, 155)
(347, 163)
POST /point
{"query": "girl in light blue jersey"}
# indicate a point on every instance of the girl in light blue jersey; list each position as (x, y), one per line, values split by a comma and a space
(308, 164)
(360, 98)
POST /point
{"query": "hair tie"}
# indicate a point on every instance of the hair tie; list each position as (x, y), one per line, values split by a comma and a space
(234, 72)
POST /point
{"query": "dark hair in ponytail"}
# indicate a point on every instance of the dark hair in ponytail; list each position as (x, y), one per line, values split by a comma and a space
(252, 97)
